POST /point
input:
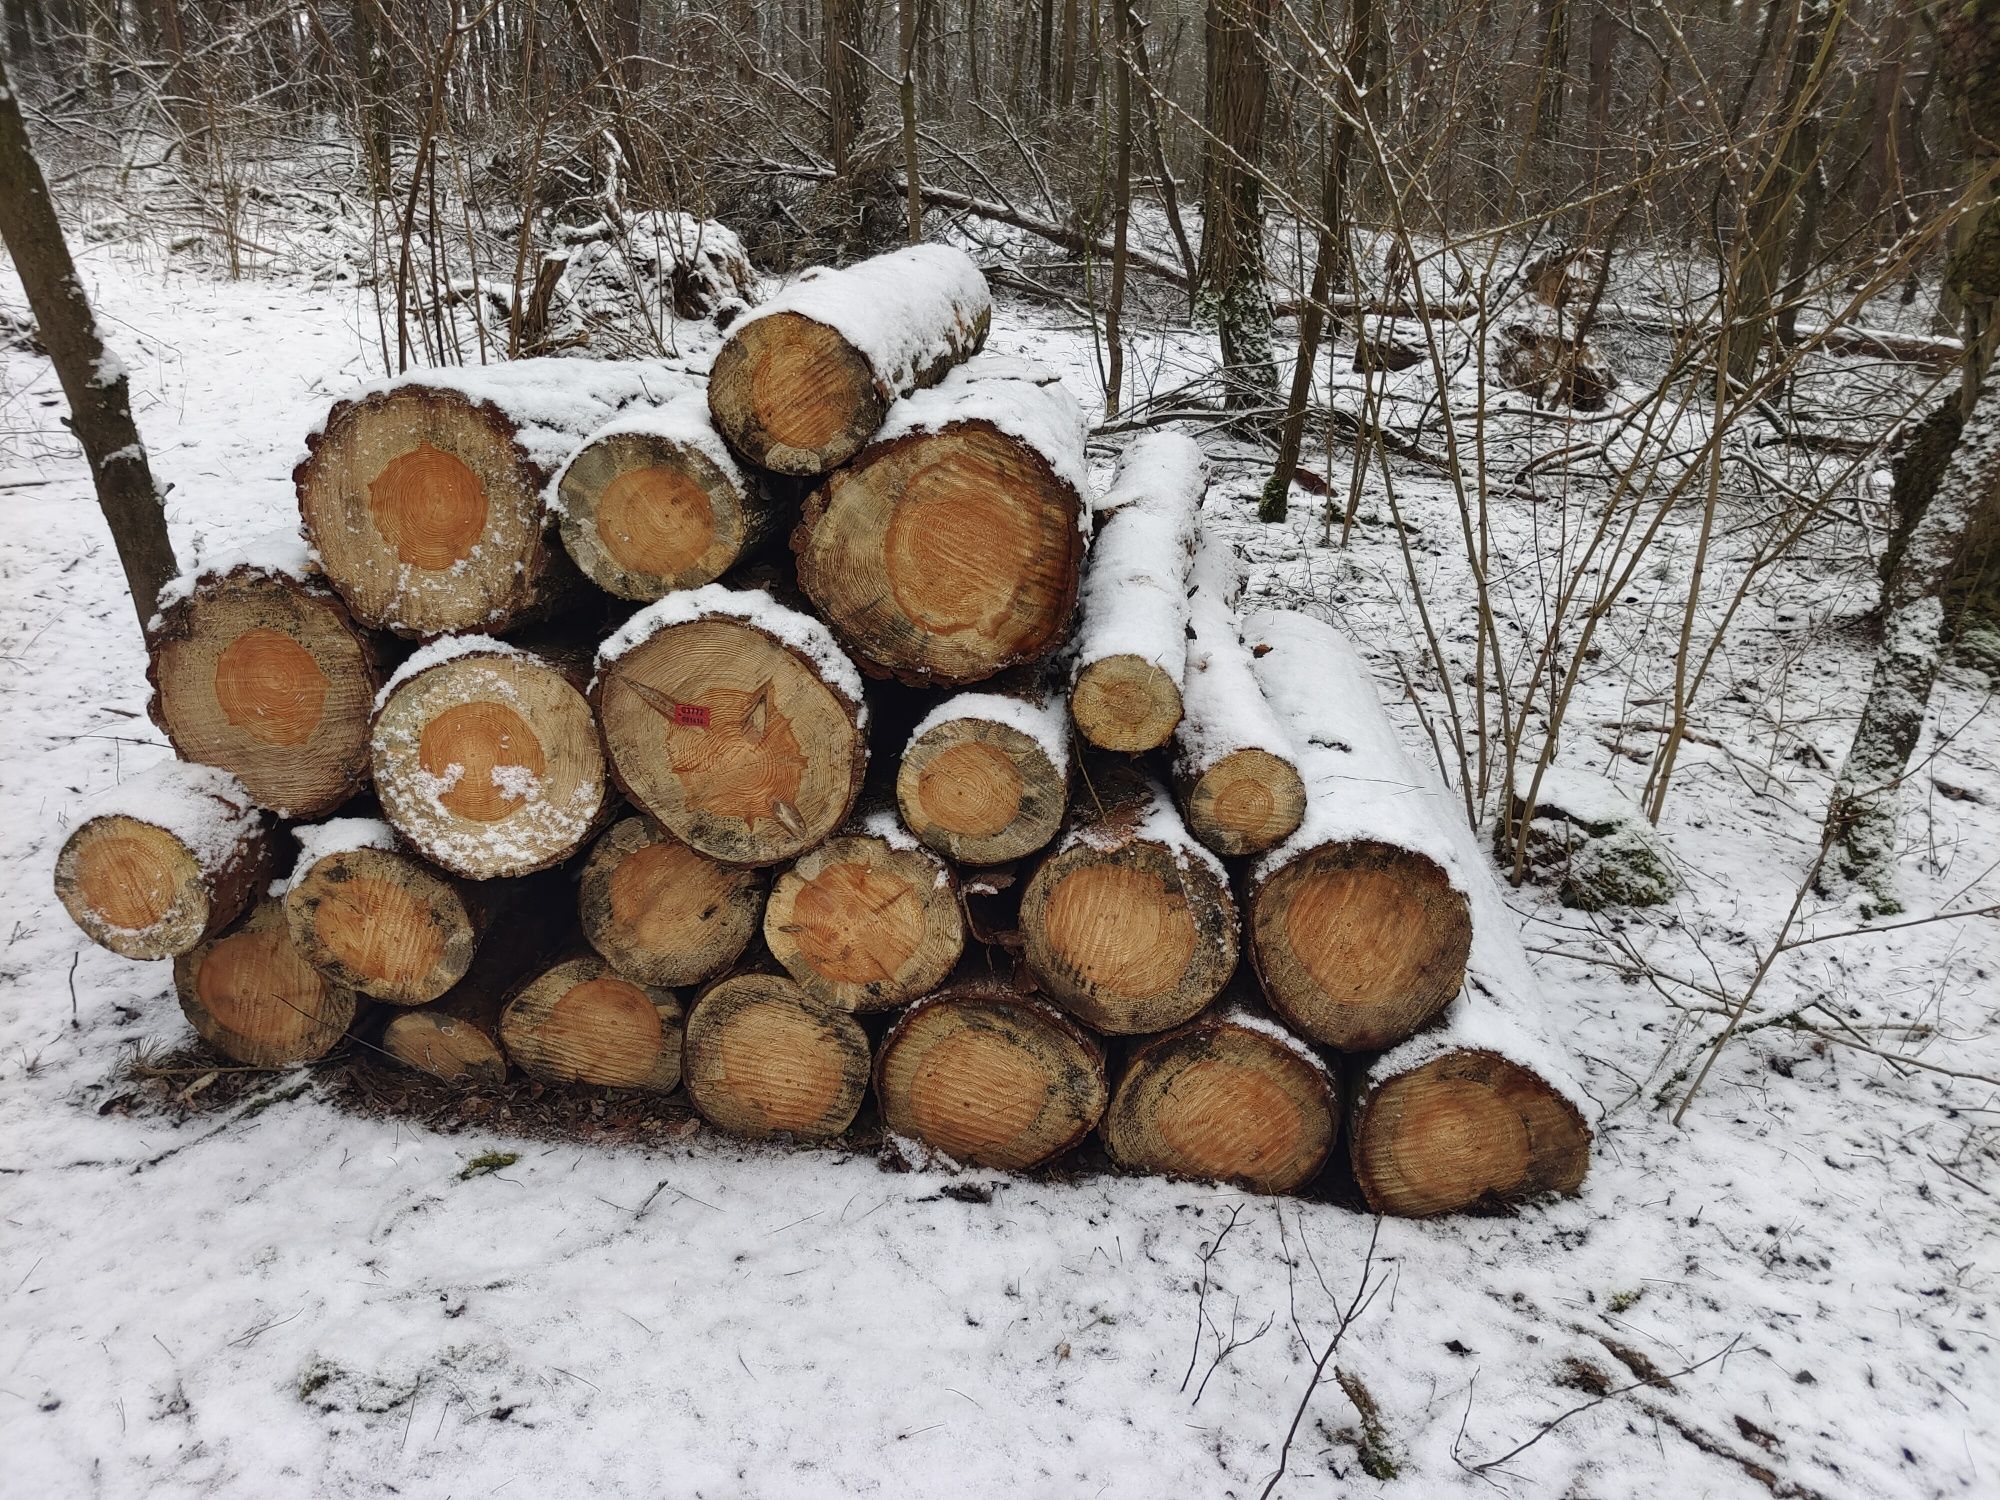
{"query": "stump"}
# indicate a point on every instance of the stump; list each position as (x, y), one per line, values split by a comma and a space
(164, 860)
(735, 722)
(375, 919)
(985, 777)
(662, 913)
(251, 995)
(579, 1021)
(989, 1076)
(803, 382)
(487, 759)
(764, 1058)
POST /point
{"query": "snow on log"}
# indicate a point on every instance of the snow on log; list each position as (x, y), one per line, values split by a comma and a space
(1230, 1097)
(764, 1058)
(805, 380)
(487, 758)
(1233, 767)
(163, 860)
(1477, 1110)
(257, 667)
(662, 913)
(251, 995)
(735, 722)
(424, 495)
(1129, 923)
(867, 920)
(654, 501)
(985, 777)
(580, 1021)
(949, 549)
(987, 1074)
(1131, 649)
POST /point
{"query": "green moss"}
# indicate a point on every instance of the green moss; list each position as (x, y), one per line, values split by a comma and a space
(1371, 1438)
(488, 1161)
(1620, 1302)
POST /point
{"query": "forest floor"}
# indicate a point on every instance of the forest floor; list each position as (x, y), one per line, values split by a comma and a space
(245, 1285)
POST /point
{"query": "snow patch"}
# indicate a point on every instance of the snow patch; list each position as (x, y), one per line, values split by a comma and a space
(1044, 722)
(802, 632)
(318, 841)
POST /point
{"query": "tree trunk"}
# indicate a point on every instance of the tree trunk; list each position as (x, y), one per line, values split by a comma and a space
(764, 1058)
(578, 1021)
(1123, 39)
(1231, 292)
(985, 778)
(845, 75)
(906, 95)
(251, 995)
(662, 913)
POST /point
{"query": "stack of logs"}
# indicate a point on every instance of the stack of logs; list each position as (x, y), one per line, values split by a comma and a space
(979, 796)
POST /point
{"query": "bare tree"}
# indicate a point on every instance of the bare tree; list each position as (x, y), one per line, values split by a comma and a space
(1231, 293)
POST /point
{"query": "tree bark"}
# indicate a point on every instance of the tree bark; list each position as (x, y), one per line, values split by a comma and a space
(1231, 293)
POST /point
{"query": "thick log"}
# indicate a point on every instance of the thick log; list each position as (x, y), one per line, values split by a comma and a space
(989, 1075)
(662, 913)
(164, 860)
(423, 495)
(867, 920)
(805, 381)
(1131, 649)
(376, 919)
(1233, 765)
(654, 501)
(1229, 1097)
(579, 1021)
(252, 996)
(487, 759)
(1129, 923)
(257, 667)
(764, 1058)
(949, 549)
(738, 724)
(985, 777)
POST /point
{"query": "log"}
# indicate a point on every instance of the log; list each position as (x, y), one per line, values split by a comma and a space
(257, 667)
(1233, 764)
(867, 920)
(423, 494)
(985, 777)
(251, 995)
(804, 381)
(487, 759)
(987, 1074)
(375, 919)
(948, 550)
(662, 913)
(654, 501)
(579, 1021)
(764, 1058)
(1131, 650)
(164, 860)
(1129, 923)
(1229, 1097)
(737, 723)
(1478, 1111)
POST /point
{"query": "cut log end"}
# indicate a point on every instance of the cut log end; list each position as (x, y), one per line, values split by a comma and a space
(864, 925)
(1466, 1131)
(764, 1058)
(662, 913)
(251, 995)
(990, 1079)
(1223, 1102)
(644, 515)
(790, 394)
(578, 1021)
(980, 792)
(1125, 703)
(445, 1046)
(1359, 944)
(133, 888)
(382, 924)
(1245, 803)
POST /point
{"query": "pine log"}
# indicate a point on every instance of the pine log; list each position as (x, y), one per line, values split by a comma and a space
(257, 667)
(736, 723)
(1131, 649)
(985, 777)
(654, 501)
(662, 913)
(1229, 1097)
(423, 495)
(805, 381)
(1233, 764)
(764, 1058)
(989, 1075)
(376, 919)
(579, 1021)
(867, 920)
(1129, 923)
(487, 759)
(949, 549)
(164, 860)
(252, 996)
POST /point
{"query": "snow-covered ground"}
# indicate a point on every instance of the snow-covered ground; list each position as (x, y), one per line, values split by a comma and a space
(284, 1297)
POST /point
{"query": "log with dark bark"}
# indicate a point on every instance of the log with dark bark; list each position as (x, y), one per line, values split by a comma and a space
(764, 1058)
(376, 919)
(251, 995)
(985, 777)
(164, 860)
(805, 381)
(580, 1021)
(662, 913)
